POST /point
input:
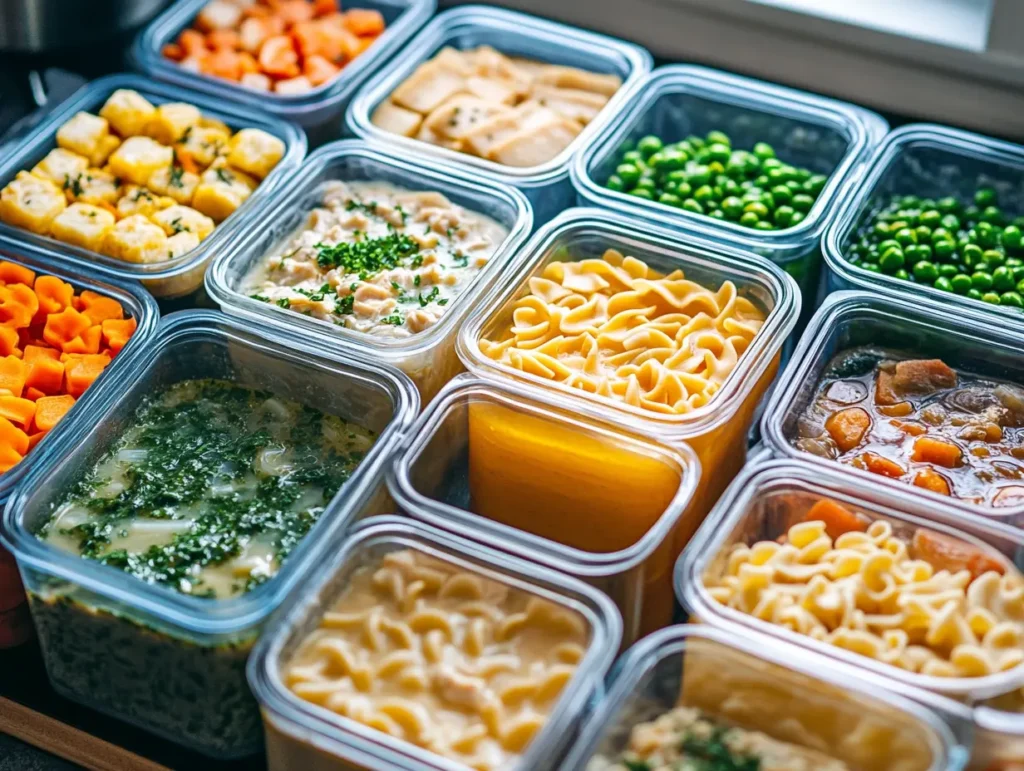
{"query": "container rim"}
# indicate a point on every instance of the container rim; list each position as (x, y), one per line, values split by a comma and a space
(568, 559)
(145, 51)
(859, 126)
(920, 312)
(685, 249)
(446, 26)
(195, 615)
(955, 141)
(90, 97)
(292, 323)
(343, 736)
(946, 748)
(732, 508)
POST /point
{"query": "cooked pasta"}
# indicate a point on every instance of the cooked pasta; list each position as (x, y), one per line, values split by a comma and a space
(934, 605)
(444, 658)
(616, 328)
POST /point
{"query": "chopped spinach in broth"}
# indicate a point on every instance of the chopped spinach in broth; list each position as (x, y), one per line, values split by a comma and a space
(210, 489)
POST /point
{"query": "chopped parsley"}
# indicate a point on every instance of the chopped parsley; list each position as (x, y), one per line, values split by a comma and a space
(395, 319)
(74, 184)
(429, 297)
(346, 304)
(284, 302)
(177, 172)
(368, 256)
(225, 177)
(461, 260)
(261, 297)
(176, 225)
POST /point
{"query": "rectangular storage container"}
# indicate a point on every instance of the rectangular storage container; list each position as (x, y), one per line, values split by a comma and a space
(169, 663)
(180, 275)
(916, 326)
(998, 740)
(769, 498)
(428, 357)
(822, 135)
(755, 684)
(547, 186)
(488, 463)
(304, 735)
(928, 162)
(320, 111)
(717, 431)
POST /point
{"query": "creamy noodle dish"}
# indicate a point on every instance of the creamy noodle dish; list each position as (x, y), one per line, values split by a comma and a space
(378, 259)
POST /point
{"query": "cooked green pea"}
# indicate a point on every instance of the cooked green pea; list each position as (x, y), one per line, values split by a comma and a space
(906, 237)
(991, 297)
(950, 222)
(948, 270)
(815, 184)
(1012, 237)
(670, 199)
(763, 225)
(993, 258)
(943, 284)
(948, 205)
(615, 183)
(749, 219)
(716, 214)
(871, 266)
(733, 207)
(642, 192)
(986, 196)
(931, 218)
(924, 234)
(925, 272)
(1011, 299)
(802, 202)
(891, 261)
(992, 214)
(764, 151)
(691, 205)
(797, 218)
(649, 145)
(1002, 279)
(757, 208)
(944, 250)
(981, 280)
(961, 283)
(972, 255)
(901, 274)
(784, 216)
(648, 184)
(974, 294)
(704, 193)
(781, 195)
(628, 173)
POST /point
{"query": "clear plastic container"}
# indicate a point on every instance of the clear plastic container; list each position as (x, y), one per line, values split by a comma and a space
(170, 663)
(914, 325)
(428, 357)
(181, 275)
(303, 735)
(756, 684)
(998, 740)
(761, 505)
(823, 135)
(928, 161)
(522, 476)
(319, 111)
(547, 186)
(717, 431)
(136, 302)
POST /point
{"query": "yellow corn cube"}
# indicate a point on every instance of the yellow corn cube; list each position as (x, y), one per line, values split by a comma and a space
(136, 239)
(128, 112)
(88, 135)
(140, 200)
(255, 152)
(176, 219)
(93, 186)
(31, 202)
(60, 165)
(181, 243)
(204, 143)
(83, 224)
(221, 190)
(138, 157)
(170, 122)
(175, 182)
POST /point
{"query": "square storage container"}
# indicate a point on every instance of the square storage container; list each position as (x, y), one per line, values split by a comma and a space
(914, 326)
(716, 431)
(169, 663)
(178, 276)
(822, 135)
(320, 111)
(587, 499)
(428, 357)
(304, 735)
(929, 162)
(516, 34)
(755, 684)
(768, 498)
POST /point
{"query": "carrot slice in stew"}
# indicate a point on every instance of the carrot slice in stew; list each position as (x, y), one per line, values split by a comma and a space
(877, 464)
(937, 451)
(838, 519)
(932, 480)
(848, 427)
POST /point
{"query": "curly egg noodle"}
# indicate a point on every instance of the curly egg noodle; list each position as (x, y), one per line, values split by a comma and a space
(616, 328)
(446, 659)
(867, 593)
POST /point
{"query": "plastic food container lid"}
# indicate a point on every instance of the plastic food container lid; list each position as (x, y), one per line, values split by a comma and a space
(350, 741)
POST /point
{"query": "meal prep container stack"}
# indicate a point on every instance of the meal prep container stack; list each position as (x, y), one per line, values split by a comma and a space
(170, 663)
(547, 186)
(928, 162)
(302, 735)
(429, 357)
(717, 432)
(756, 684)
(584, 498)
(769, 497)
(823, 135)
(319, 111)
(178, 276)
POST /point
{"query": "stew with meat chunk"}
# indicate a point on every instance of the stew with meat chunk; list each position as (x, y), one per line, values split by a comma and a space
(922, 422)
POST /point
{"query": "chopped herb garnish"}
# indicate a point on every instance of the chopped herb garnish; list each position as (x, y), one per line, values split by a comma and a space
(368, 256)
(425, 300)
(395, 319)
(186, 134)
(261, 297)
(74, 184)
(177, 172)
(416, 279)
(225, 177)
(284, 302)
(461, 260)
(346, 304)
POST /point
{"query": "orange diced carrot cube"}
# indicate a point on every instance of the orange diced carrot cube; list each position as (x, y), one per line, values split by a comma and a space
(50, 410)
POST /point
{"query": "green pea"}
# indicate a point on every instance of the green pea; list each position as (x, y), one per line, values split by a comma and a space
(944, 250)
(891, 261)
(693, 206)
(931, 218)
(881, 230)
(717, 214)
(704, 193)
(974, 294)
(764, 151)
(615, 183)
(1012, 237)
(784, 216)
(981, 280)
(683, 189)
(986, 196)
(642, 192)
(924, 234)
(815, 184)
(733, 207)
(1018, 274)
(763, 225)
(985, 234)
(634, 156)
(796, 219)
(944, 284)
(802, 202)
(628, 173)
(919, 252)
(991, 297)
(1011, 300)
(1002, 279)
(948, 205)
(950, 222)
(901, 274)
(749, 219)
(670, 199)
(1020, 286)
(757, 208)
(993, 258)
(992, 214)
(648, 184)
(925, 272)
(715, 167)
(782, 195)
(972, 254)
(961, 283)
(698, 175)
(649, 145)
(906, 237)
(719, 152)
(672, 160)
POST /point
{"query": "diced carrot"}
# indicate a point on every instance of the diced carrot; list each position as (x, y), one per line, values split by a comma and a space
(310, 38)
(50, 409)
(9, 341)
(192, 42)
(258, 11)
(54, 295)
(318, 70)
(897, 410)
(223, 38)
(295, 11)
(223, 63)
(848, 427)
(945, 552)
(838, 519)
(32, 394)
(87, 342)
(12, 273)
(13, 437)
(33, 352)
(364, 21)
(173, 51)
(247, 63)
(363, 43)
(278, 57)
(116, 333)
(923, 376)
(45, 374)
(324, 7)
(80, 372)
(34, 439)
(877, 464)
(254, 32)
(9, 458)
(929, 479)
(937, 451)
(18, 410)
(61, 328)
(885, 392)
(909, 427)
(12, 375)
(14, 312)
